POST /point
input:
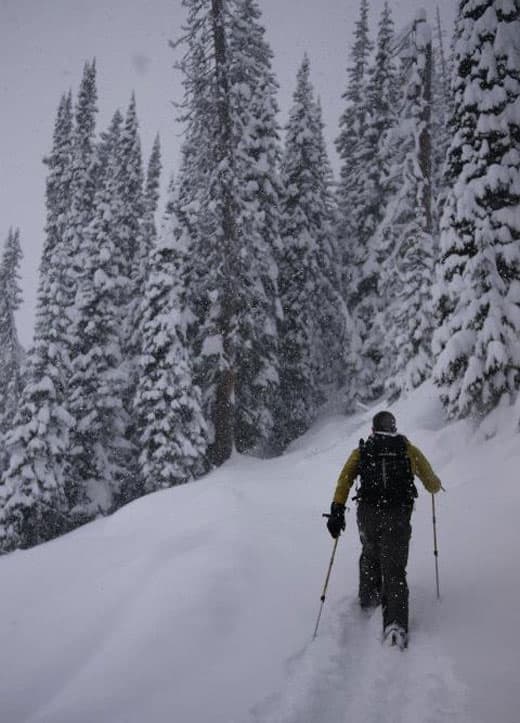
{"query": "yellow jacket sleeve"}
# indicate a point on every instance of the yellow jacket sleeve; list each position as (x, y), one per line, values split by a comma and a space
(346, 478)
(422, 469)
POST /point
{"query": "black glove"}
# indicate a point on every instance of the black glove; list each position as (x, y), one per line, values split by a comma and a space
(336, 521)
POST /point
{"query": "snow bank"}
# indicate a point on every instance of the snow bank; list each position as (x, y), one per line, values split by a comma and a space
(197, 604)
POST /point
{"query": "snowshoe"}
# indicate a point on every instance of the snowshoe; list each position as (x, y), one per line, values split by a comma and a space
(395, 636)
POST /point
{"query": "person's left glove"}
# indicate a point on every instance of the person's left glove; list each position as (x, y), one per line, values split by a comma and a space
(336, 520)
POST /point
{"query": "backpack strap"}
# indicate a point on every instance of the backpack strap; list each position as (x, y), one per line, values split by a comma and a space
(362, 445)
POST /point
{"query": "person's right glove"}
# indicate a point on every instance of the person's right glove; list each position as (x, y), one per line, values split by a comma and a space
(336, 520)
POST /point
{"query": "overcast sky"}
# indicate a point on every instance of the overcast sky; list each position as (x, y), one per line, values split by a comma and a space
(44, 44)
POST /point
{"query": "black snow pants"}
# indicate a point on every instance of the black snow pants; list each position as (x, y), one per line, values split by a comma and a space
(385, 537)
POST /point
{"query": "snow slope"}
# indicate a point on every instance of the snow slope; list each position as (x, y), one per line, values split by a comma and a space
(197, 604)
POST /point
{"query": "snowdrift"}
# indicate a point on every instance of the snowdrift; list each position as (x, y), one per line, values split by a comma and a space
(197, 604)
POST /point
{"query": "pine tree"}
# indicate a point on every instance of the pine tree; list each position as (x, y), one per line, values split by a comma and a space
(106, 147)
(147, 240)
(212, 290)
(352, 126)
(11, 353)
(35, 493)
(151, 200)
(58, 185)
(131, 191)
(477, 347)
(337, 341)
(227, 215)
(381, 97)
(405, 235)
(253, 102)
(168, 405)
(304, 263)
(188, 204)
(83, 177)
(138, 224)
(376, 184)
(98, 380)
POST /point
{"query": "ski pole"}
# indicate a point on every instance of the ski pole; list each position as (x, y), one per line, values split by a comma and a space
(435, 550)
(325, 586)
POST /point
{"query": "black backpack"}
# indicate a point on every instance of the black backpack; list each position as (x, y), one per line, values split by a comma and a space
(385, 471)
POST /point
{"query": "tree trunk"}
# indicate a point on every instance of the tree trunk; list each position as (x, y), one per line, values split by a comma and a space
(425, 143)
(224, 418)
(224, 403)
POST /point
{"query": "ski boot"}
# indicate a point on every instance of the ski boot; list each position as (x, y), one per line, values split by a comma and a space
(395, 636)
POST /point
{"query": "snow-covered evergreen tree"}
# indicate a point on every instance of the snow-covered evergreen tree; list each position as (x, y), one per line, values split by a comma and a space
(131, 191)
(227, 215)
(148, 226)
(377, 184)
(337, 344)
(208, 203)
(139, 204)
(98, 379)
(168, 405)
(105, 148)
(352, 126)
(147, 239)
(405, 239)
(11, 353)
(83, 177)
(187, 203)
(477, 344)
(253, 101)
(35, 492)
(306, 266)
(381, 97)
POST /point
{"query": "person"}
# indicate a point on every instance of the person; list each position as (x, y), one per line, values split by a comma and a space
(386, 465)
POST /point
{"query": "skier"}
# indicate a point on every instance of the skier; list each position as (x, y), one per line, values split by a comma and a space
(386, 464)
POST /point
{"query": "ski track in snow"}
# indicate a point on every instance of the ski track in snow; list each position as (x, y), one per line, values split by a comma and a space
(347, 674)
(362, 680)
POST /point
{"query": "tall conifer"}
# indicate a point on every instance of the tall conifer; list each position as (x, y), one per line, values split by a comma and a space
(131, 191)
(254, 107)
(83, 177)
(405, 236)
(337, 341)
(36, 489)
(212, 291)
(477, 344)
(306, 265)
(352, 124)
(98, 379)
(11, 353)
(378, 182)
(172, 433)
(227, 215)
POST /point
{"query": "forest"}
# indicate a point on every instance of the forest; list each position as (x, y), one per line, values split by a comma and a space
(269, 286)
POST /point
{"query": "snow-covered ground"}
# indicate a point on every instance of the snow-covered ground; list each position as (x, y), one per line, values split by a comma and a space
(197, 604)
